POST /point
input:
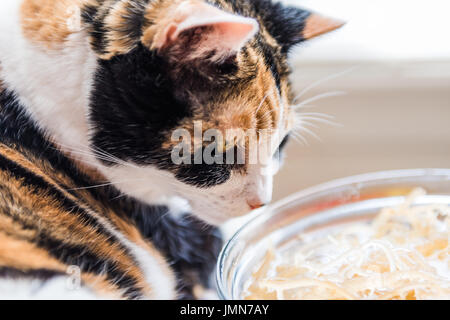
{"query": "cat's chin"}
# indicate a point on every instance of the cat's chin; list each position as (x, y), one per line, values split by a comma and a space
(218, 215)
(210, 213)
(215, 220)
(207, 211)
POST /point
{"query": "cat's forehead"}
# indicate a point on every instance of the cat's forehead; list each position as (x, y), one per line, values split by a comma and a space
(118, 26)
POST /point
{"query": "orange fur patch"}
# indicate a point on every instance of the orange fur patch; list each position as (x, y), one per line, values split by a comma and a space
(159, 12)
(22, 255)
(50, 22)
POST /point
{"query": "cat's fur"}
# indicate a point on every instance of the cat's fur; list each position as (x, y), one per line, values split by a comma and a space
(91, 93)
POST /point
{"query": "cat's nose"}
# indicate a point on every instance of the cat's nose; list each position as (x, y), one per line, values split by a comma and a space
(255, 204)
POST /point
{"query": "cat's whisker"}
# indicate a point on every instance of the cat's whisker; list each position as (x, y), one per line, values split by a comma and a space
(310, 124)
(323, 80)
(112, 183)
(299, 138)
(103, 155)
(148, 187)
(310, 132)
(135, 191)
(321, 120)
(306, 106)
(78, 153)
(63, 147)
(87, 154)
(317, 114)
(306, 120)
(87, 162)
(319, 97)
(98, 154)
(114, 159)
(261, 104)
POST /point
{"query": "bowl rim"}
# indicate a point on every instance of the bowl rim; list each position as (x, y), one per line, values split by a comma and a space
(336, 183)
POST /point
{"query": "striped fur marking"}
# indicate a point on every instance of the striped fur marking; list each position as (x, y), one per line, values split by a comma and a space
(67, 228)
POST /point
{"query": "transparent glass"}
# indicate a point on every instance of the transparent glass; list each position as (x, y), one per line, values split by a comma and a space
(350, 199)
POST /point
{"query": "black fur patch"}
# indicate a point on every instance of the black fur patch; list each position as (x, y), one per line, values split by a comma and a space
(192, 245)
(41, 274)
(285, 23)
(131, 27)
(133, 106)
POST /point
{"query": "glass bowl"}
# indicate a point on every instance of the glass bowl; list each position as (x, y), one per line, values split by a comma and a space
(356, 198)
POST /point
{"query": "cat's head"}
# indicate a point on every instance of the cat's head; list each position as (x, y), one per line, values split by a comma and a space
(169, 70)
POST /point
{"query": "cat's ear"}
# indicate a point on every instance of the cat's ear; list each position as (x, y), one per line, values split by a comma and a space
(292, 25)
(316, 25)
(200, 29)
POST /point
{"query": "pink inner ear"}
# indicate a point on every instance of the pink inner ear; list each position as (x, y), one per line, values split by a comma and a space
(231, 31)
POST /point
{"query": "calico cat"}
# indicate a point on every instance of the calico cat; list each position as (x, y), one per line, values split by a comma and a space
(92, 204)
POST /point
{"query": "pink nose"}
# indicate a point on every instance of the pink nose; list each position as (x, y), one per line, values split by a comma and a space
(255, 204)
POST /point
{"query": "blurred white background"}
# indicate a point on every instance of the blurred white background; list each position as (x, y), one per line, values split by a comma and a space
(396, 110)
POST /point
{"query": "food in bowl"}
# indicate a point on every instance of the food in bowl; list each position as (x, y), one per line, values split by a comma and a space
(403, 253)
